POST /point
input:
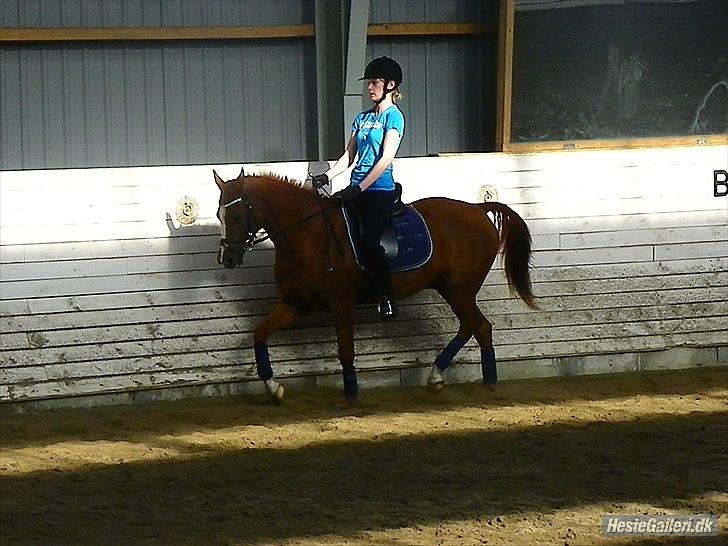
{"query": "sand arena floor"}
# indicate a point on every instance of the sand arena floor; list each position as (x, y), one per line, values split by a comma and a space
(537, 462)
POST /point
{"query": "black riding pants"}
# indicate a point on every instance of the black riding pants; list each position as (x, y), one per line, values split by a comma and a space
(375, 209)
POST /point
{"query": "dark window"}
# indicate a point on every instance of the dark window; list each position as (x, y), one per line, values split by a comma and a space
(619, 69)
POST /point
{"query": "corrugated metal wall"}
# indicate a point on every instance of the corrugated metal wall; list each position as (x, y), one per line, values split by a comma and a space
(153, 13)
(155, 103)
(449, 89)
(151, 103)
(448, 103)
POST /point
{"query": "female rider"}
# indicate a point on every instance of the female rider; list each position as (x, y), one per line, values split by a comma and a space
(375, 137)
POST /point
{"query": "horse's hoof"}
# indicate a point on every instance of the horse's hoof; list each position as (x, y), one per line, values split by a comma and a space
(434, 388)
(490, 386)
(277, 397)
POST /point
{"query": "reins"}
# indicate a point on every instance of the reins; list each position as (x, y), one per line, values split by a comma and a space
(294, 224)
(251, 241)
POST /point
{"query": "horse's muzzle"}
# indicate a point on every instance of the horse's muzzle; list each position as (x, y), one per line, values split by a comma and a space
(229, 257)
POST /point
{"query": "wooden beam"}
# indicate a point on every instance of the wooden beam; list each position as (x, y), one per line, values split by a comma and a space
(505, 75)
(429, 29)
(616, 143)
(9, 35)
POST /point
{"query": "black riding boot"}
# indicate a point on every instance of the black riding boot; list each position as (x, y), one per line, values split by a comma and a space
(380, 269)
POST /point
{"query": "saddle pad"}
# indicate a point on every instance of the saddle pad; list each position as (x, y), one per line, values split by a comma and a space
(414, 242)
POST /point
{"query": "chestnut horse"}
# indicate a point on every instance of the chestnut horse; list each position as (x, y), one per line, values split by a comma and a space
(304, 227)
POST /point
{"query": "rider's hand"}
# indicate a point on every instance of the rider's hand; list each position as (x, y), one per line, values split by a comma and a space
(349, 194)
(319, 180)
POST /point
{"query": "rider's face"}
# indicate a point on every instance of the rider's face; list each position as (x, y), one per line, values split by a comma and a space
(375, 88)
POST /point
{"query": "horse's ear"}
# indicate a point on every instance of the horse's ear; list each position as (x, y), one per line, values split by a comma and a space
(242, 173)
(219, 181)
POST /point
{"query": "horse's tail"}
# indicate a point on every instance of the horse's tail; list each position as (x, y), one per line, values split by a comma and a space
(515, 242)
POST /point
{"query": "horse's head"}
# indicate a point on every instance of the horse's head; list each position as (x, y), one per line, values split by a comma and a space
(237, 222)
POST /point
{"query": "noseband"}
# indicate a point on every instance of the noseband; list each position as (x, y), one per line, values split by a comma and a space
(240, 246)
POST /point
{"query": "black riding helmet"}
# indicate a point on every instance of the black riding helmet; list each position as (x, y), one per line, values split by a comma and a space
(386, 68)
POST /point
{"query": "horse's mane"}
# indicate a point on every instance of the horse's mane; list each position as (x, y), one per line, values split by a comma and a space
(297, 185)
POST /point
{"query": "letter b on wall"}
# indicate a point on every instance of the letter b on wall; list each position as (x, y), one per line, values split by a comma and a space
(720, 183)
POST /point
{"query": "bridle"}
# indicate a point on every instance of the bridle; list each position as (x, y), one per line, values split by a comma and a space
(239, 247)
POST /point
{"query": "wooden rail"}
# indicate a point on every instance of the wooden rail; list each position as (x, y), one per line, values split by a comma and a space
(154, 33)
(616, 143)
(504, 84)
(429, 29)
(126, 34)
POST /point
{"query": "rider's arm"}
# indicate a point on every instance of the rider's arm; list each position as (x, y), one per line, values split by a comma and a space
(389, 149)
(345, 161)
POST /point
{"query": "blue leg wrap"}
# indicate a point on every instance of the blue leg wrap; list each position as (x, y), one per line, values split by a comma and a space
(351, 386)
(487, 361)
(445, 357)
(262, 362)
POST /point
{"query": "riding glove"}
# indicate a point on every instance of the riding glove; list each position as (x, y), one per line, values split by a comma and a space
(319, 180)
(349, 194)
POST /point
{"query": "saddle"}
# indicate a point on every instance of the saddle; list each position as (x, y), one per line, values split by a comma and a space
(407, 241)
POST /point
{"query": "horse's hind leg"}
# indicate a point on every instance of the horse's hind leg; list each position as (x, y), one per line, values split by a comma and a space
(471, 317)
(283, 315)
(484, 337)
(464, 306)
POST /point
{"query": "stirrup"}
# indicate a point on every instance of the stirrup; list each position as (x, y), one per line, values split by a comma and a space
(387, 308)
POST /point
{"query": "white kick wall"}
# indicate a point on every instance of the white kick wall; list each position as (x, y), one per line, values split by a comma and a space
(103, 294)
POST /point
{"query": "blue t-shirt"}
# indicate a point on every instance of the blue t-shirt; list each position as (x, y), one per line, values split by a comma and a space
(370, 128)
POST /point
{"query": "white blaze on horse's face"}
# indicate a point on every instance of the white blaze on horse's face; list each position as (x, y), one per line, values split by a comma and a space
(221, 216)
(227, 256)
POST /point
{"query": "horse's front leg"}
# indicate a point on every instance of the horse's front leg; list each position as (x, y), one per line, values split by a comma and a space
(344, 324)
(283, 314)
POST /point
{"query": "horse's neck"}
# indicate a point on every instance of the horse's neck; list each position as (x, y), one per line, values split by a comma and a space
(283, 206)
